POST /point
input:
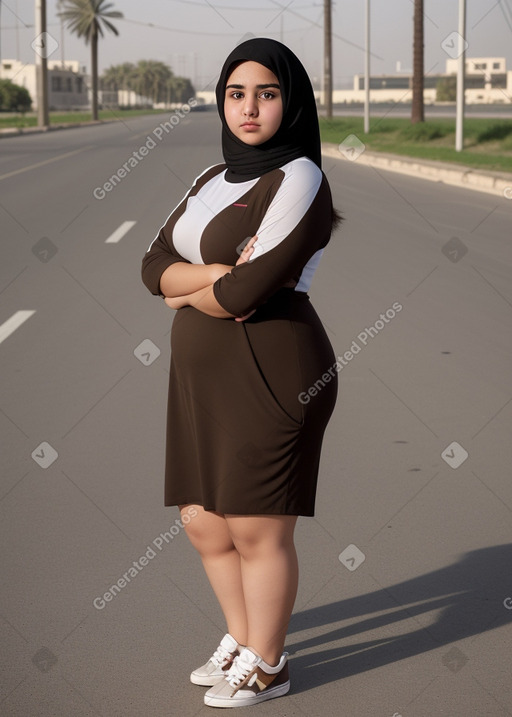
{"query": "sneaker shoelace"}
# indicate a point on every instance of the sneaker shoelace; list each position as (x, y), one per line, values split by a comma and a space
(221, 656)
(240, 671)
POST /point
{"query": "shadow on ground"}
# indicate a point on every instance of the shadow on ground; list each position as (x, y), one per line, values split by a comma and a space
(469, 593)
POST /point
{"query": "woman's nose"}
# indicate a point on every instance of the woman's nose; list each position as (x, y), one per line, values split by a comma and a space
(250, 108)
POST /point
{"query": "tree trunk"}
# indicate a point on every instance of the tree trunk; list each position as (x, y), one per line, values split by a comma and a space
(94, 74)
(418, 112)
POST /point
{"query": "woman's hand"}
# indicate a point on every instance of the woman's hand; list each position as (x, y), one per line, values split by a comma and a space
(245, 256)
(247, 251)
(216, 272)
(176, 302)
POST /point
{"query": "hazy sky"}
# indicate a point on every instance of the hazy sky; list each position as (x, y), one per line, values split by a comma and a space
(195, 36)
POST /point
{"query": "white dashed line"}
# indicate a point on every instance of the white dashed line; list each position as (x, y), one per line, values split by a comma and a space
(120, 232)
(16, 320)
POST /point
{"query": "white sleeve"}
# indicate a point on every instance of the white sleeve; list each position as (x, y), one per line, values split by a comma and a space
(292, 200)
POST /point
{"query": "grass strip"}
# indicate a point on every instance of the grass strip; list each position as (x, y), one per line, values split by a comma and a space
(487, 142)
(30, 120)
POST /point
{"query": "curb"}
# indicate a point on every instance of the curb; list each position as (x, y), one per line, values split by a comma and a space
(496, 183)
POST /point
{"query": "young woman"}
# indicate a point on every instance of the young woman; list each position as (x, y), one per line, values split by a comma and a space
(236, 259)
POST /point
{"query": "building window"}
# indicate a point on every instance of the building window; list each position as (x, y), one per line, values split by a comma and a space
(7, 66)
(474, 82)
(495, 65)
(69, 86)
(56, 84)
(499, 80)
(79, 85)
(480, 65)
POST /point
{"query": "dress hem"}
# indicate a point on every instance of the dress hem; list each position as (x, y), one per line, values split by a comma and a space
(306, 514)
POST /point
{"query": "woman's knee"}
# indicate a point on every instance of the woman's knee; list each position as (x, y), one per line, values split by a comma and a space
(207, 531)
(261, 536)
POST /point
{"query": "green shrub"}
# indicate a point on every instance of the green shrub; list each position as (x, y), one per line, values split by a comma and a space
(423, 131)
(496, 131)
(446, 89)
(14, 98)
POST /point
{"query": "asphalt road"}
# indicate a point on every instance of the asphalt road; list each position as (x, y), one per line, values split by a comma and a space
(405, 599)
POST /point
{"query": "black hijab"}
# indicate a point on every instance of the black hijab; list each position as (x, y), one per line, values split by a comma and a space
(298, 134)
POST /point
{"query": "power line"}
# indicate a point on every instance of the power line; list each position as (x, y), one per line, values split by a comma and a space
(320, 25)
(199, 32)
(242, 9)
(505, 14)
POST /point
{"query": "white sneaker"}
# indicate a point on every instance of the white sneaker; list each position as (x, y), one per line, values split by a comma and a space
(219, 663)
(249, 681)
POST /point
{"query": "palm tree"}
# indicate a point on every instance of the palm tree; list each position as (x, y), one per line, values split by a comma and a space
(418, 112)
(151, 79)
(86, 18)
(183, 89)
(118, 77)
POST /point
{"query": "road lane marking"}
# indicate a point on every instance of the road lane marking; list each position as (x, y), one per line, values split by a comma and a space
(46, 161)
(120, 232)
(16, 320)
(139, 134)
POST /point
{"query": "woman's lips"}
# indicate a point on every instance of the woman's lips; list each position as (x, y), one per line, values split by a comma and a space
(249, 126)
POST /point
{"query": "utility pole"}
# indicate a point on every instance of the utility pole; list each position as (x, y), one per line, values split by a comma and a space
(62, 62)
(327, 59)
(367, 72)
(461, 80)
(43, 119)
(17, 32)
(418, 110)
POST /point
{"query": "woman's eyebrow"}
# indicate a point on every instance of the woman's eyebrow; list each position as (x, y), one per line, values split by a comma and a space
(258, 87)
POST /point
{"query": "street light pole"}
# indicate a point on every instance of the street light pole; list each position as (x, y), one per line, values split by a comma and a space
(327, 59)
(43, 119)
(461, 68)
(62, 61)
(367, 72)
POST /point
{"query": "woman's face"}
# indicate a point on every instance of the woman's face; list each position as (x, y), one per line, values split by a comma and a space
(253, 105)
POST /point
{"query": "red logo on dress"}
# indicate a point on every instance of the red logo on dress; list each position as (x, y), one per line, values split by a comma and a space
(239, 205)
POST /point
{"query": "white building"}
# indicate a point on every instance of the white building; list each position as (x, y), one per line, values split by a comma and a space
(116, 99)
(487, 82)
(69, 87)
(67, 83)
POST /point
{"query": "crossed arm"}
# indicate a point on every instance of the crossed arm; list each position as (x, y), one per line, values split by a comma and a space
(192, 285)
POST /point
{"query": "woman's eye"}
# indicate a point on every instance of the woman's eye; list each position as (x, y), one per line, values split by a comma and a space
(236, 95)
(267, 95)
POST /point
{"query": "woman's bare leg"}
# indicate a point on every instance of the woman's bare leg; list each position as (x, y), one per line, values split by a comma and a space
(269, 572)
(208, 532)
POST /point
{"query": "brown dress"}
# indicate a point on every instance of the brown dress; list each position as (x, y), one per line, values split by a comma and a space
(249, 401)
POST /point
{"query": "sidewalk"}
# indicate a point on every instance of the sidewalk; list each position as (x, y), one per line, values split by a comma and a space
(497, 183)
